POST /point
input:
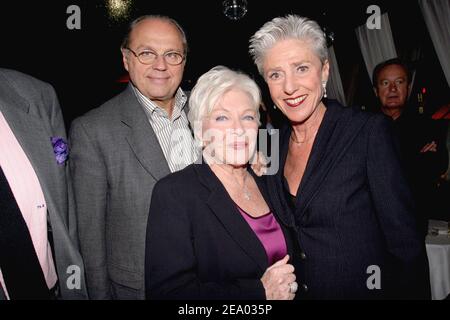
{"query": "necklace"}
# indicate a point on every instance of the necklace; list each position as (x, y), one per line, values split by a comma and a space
(247, 195)
(245, 192)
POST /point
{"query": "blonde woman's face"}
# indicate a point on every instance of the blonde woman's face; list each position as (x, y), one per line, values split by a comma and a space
(229, 133)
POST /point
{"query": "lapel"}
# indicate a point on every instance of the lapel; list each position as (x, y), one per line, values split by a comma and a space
(34, 136)
(337, 131)
(284, 219)
(228, 214)
(316, 167)
(141, 137)
(264, 185)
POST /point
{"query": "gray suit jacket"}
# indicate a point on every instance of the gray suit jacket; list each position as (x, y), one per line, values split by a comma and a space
(116, 160)
(32, 110)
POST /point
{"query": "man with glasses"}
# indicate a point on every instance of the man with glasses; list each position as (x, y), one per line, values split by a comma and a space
(121, 149)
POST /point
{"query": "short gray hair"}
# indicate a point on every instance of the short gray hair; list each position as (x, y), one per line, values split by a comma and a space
(288, 27)
(212, 86)
(126, 39)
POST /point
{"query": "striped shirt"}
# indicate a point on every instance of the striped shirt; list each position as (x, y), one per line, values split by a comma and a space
(174, 135)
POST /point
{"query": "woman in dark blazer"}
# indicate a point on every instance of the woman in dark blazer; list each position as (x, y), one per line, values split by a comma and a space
(211, 232)
(339, 177)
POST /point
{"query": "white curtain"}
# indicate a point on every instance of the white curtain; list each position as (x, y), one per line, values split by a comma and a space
(335, 90)
(436, 14)
(377, 45)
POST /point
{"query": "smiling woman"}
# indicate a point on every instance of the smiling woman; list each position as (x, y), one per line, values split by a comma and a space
(340, 180)
(291, 64)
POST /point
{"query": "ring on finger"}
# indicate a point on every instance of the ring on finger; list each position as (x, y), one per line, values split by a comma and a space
(293, 287)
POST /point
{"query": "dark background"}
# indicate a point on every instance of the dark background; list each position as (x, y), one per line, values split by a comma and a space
(85, 65)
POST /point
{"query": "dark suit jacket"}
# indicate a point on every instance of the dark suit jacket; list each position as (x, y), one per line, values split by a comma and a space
(198, 244)
(353, 210)
(423, 170)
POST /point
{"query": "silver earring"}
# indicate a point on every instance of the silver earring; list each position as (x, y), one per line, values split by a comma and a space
(274, 107)
(324, 84)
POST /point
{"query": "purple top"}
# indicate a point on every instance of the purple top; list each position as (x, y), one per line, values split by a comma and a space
(269, 233)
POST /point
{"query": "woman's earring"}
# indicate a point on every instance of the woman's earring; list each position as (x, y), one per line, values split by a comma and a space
(324, 84)
(274, 107)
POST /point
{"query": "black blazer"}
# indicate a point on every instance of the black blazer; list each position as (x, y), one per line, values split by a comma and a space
(353, 210)
(198, 245)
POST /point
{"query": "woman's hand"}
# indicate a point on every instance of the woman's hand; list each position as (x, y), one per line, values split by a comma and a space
(279, 280)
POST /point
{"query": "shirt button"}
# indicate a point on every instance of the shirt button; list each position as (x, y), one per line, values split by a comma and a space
(302, 255)
(305, 287)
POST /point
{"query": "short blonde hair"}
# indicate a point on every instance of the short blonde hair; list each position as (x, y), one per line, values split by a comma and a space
(213, 85)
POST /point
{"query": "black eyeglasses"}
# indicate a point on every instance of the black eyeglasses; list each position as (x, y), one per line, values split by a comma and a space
(149, 57)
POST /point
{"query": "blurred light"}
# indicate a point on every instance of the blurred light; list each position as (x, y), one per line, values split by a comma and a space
(124, 79)
(235, 9)
(424, 90)
(119, 9)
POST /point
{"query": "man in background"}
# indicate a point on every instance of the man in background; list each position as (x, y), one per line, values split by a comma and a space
(423, 152)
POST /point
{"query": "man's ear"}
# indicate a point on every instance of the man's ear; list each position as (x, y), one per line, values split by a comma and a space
(125, 58)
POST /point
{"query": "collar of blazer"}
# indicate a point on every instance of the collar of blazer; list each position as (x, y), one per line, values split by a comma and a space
(340, 126)
(132, 112)
(33, 134)
(141, 137)
(227, 212)
(9, 96)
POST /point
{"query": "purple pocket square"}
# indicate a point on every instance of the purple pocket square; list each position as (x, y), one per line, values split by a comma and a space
(61, 149)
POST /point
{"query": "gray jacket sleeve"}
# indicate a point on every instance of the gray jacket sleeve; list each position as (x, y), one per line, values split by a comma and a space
(90, 189)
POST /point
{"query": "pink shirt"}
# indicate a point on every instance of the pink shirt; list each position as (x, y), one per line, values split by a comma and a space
(269, 233)
(27, 190)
